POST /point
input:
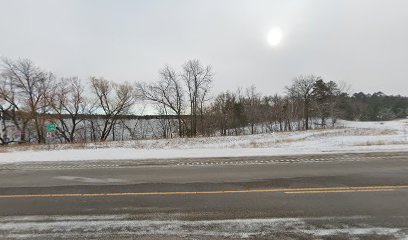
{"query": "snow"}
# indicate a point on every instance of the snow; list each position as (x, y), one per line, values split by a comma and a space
(29, 227)
(347, 137)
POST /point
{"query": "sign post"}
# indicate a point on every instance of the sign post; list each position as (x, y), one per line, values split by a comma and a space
(51, 128)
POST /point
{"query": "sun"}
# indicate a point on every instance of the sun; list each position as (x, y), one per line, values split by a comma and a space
(274, 36)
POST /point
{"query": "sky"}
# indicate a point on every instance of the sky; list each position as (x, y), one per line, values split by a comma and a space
(361, 42)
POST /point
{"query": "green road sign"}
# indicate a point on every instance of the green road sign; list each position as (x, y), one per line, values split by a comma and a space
(51, 127)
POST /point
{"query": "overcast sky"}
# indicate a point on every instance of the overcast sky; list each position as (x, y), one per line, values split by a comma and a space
(364, 43)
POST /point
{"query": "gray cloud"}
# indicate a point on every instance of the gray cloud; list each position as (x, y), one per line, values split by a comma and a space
(362, 42)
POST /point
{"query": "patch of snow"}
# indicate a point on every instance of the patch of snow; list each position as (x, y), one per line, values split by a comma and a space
(89, 180)
(354, 231)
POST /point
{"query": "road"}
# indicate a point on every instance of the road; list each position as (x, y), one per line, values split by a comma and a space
(331, 196)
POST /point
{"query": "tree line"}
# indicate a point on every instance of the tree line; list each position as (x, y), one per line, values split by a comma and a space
(309, 102)
(96, 109)
(375, 107)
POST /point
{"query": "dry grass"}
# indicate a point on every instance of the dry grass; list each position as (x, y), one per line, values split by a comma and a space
(272, 143)
(381, 142)
(356, 132)
(39, 147)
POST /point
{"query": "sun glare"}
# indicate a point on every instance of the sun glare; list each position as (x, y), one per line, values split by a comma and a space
(274, 36)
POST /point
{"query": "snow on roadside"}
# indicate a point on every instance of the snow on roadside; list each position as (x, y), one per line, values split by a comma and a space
(51, 227)
(350, 137)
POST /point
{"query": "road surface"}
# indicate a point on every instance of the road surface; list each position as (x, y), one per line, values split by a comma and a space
(332, 196)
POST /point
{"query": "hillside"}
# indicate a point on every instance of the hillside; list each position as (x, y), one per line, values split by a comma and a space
(347, 137)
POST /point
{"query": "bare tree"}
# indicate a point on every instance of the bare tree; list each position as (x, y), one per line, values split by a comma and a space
(228, 113)
(168, 93)
(198, 80)
(252, 103)
(4, 109)
(113, 100)
(67, 98)
(220, 114)
(278, 110)
(7, 105)
(29, 86)
(302, 88)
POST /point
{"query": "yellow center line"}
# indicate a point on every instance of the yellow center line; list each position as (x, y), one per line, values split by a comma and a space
(343, 191)
(272, 190)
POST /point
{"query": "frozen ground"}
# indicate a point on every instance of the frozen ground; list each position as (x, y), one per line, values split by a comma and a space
(347, 137)
(101, 227)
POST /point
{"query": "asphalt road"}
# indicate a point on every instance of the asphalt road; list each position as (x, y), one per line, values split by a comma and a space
(338, 196)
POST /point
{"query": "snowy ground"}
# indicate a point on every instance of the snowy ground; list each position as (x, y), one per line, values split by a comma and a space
(347, 137)
(101, 227)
